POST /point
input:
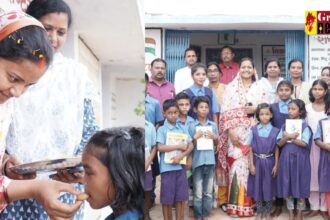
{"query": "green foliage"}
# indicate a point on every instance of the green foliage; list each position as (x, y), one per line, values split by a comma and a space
(140, 108)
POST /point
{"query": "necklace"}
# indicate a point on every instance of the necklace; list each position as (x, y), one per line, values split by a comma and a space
(242, 91)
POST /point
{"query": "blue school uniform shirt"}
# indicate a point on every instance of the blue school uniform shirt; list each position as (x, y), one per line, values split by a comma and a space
(305, 136)
(188, 122)
(318, 134)
(263, 131)
(202, 157)
(128, 215)
(153, 112)
(161, 138)
(200, 91)
(283, 106)
(150, 136)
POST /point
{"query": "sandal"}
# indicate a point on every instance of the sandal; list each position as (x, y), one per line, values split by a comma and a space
(224, 207)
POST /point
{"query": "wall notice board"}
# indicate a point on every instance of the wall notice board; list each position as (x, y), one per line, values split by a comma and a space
(274, 52)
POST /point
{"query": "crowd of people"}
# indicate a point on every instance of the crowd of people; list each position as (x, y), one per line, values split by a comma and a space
(225, 138)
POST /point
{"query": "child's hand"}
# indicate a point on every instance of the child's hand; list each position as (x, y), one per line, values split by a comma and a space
(198, 134)
(327, 147)
(182, 147)
(295, 135)
(176, 159)
(252, 169)
(286, 135)
(12, 161)
(274, 171)
(291, 136)
(189, 162)
(210, 135)
(146, 165)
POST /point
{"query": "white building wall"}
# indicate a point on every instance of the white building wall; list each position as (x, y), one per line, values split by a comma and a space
(129, 92)
(107, 88)
(123, 93)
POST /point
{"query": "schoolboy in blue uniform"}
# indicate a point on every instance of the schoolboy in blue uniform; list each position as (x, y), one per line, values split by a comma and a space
(203, 161)
(174, 184)
(184, 104)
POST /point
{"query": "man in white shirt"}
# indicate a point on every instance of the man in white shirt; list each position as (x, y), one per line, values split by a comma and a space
(182, 77)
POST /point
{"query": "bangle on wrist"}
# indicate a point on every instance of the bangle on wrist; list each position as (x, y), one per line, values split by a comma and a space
(5, 195)
(4, 165)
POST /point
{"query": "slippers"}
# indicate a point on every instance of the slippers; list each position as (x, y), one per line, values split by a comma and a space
(224, 207)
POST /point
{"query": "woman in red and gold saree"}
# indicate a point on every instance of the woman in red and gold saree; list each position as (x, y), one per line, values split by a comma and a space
(239, 103)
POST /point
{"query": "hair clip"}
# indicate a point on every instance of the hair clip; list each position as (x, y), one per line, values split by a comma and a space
(42, 61)
(18, 41)
(37, 53)
(126, 135)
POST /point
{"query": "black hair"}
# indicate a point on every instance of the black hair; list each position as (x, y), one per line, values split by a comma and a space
(196, 66)
(270, 61)
(182, 95)
(246, 59)
(262, 106)
(285, 82)
(321, 83)
(251, 61)
(189, 49)
(34, 38)
(294, 61)
(146, 77)
(327, 104)
(227, 47)
(301, 105)
(168, 103)
(40, 8)
(325, 68)
(158, 60)
(216, 64)
(121, 150)
(201, 99)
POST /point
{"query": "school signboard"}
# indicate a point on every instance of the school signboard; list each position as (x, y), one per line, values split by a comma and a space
(318, 55)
